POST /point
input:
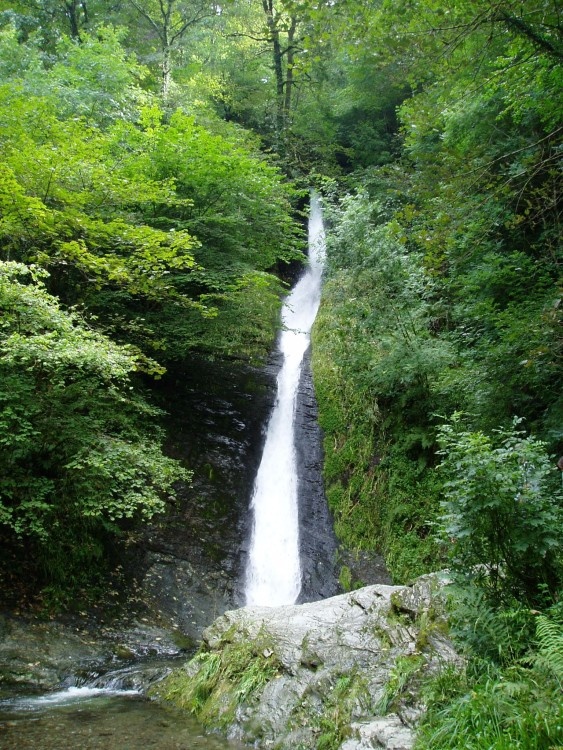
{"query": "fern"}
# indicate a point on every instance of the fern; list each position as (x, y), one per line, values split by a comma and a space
(486, 632)
(550, 645)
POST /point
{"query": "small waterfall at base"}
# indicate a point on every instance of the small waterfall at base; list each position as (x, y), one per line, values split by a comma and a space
(273, 575)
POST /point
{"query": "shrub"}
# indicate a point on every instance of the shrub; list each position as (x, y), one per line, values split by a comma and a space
(502, 512)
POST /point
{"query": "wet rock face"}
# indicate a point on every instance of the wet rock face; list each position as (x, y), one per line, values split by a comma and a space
(192, 563)
(38, 655)
(318, 544)
(41, 654)
(189, 565)
(316, 536)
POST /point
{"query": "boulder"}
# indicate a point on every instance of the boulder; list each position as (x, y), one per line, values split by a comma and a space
(342, 672)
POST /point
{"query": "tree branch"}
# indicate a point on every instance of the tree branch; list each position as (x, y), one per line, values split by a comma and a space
(139, 8)
(524, 29)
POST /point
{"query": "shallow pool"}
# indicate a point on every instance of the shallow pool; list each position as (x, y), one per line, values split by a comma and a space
(88, 719)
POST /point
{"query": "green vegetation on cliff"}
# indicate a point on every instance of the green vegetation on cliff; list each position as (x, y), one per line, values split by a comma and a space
(443, 286)
(437, 355)
(216, 682)
(146, 213)
(131, 235)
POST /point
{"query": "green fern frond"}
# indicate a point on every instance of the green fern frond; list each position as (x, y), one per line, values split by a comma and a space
(550, 643)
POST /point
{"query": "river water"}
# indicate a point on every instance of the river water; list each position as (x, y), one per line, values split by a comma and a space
(274, 572)
(85, 719)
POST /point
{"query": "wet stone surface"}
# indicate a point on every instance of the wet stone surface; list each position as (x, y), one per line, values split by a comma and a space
(191, 562)
(316, 537)
(188, 566)
(185, 568)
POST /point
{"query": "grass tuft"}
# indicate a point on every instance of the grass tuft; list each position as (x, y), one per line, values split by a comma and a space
(214, 683)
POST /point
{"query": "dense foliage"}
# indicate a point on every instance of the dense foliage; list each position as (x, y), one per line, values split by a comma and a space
(445, 264)
(439, 331)
(79, 451)
(140, 220)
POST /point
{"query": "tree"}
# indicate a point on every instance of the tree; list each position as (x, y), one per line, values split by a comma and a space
(51, 16)
(501, 513)
(79, 450)
(116, 208)
(443, 290)
(263, 38)
(171, 20)
(282, 28)
(101, 201)
(77, 13)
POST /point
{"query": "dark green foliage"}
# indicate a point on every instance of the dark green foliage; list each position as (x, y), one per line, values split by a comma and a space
(510, 693)
(376, 369)
(442, 290)
(163, 233)
(78, 454)
(515, 709)
(502, 513)
(443, 296)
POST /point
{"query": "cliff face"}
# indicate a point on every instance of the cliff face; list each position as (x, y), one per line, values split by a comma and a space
(317, 541)
(338, 673)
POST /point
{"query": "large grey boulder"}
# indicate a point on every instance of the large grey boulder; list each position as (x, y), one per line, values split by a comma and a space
(346, 668)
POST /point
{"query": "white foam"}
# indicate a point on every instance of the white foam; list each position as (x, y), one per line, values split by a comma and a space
(64, 697)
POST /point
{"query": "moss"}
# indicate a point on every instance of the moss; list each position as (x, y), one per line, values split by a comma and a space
(214, 683)
(183, 641)
(427, 623)
(430, 624)
(405, 673)
(381, 499)
(345, 578)
(383, 635)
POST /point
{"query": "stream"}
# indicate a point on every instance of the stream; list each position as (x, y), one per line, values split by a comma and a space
(103, 711)
(99, 719)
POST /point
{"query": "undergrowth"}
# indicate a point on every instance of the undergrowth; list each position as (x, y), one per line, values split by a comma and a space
(380, 498)
(508, 697)
(214, 683)
(407, 668)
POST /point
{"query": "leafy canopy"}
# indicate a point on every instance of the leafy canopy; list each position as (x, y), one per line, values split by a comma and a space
(74, 434)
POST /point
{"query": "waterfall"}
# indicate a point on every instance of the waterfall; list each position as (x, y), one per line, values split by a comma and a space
(273, 576)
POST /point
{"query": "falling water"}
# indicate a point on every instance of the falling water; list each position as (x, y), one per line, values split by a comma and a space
(274, 572)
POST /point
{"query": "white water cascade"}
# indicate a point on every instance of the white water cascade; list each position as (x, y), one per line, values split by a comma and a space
(273, 575)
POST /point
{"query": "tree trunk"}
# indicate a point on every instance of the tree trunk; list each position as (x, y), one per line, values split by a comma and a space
(73, 14)
(290, 61)
(277, 55)
(166, 71)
